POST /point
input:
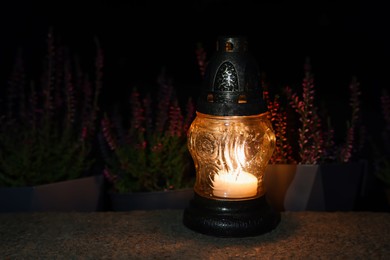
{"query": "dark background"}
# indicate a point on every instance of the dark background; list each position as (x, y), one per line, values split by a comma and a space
(342, 38)
(139, 38)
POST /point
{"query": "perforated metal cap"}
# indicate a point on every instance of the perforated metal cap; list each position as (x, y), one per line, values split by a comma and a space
(232, 85)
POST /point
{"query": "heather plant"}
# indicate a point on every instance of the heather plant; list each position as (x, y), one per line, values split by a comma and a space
(48, 126)
(201, 58)
(310, 138)
(283, 152)
(316, 142)
(149, 151)
(381, 149)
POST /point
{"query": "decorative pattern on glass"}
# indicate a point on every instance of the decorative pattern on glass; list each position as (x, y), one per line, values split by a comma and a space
(230, 155)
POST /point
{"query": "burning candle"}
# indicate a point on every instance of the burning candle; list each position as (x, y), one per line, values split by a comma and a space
(231, 141)
(234, 185)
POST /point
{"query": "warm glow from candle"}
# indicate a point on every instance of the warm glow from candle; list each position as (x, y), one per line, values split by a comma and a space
(234, 185)
(233, 181)
(230, 155)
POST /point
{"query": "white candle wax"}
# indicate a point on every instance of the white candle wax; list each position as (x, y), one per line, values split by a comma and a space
(234, 185)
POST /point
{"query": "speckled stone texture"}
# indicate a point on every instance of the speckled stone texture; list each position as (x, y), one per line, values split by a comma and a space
(161, 234)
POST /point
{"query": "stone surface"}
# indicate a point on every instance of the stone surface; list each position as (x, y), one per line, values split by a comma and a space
(161, 234)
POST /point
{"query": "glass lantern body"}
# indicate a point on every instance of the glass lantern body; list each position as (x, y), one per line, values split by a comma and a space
(230, 154)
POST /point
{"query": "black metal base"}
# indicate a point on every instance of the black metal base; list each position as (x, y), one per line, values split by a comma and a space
(223, 218)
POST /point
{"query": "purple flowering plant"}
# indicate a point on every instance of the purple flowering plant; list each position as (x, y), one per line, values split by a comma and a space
(47, 126)
(381, 149)
(148, 151)
(315, 140)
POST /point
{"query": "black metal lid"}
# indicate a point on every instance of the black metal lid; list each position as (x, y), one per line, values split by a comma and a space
(232, 81)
